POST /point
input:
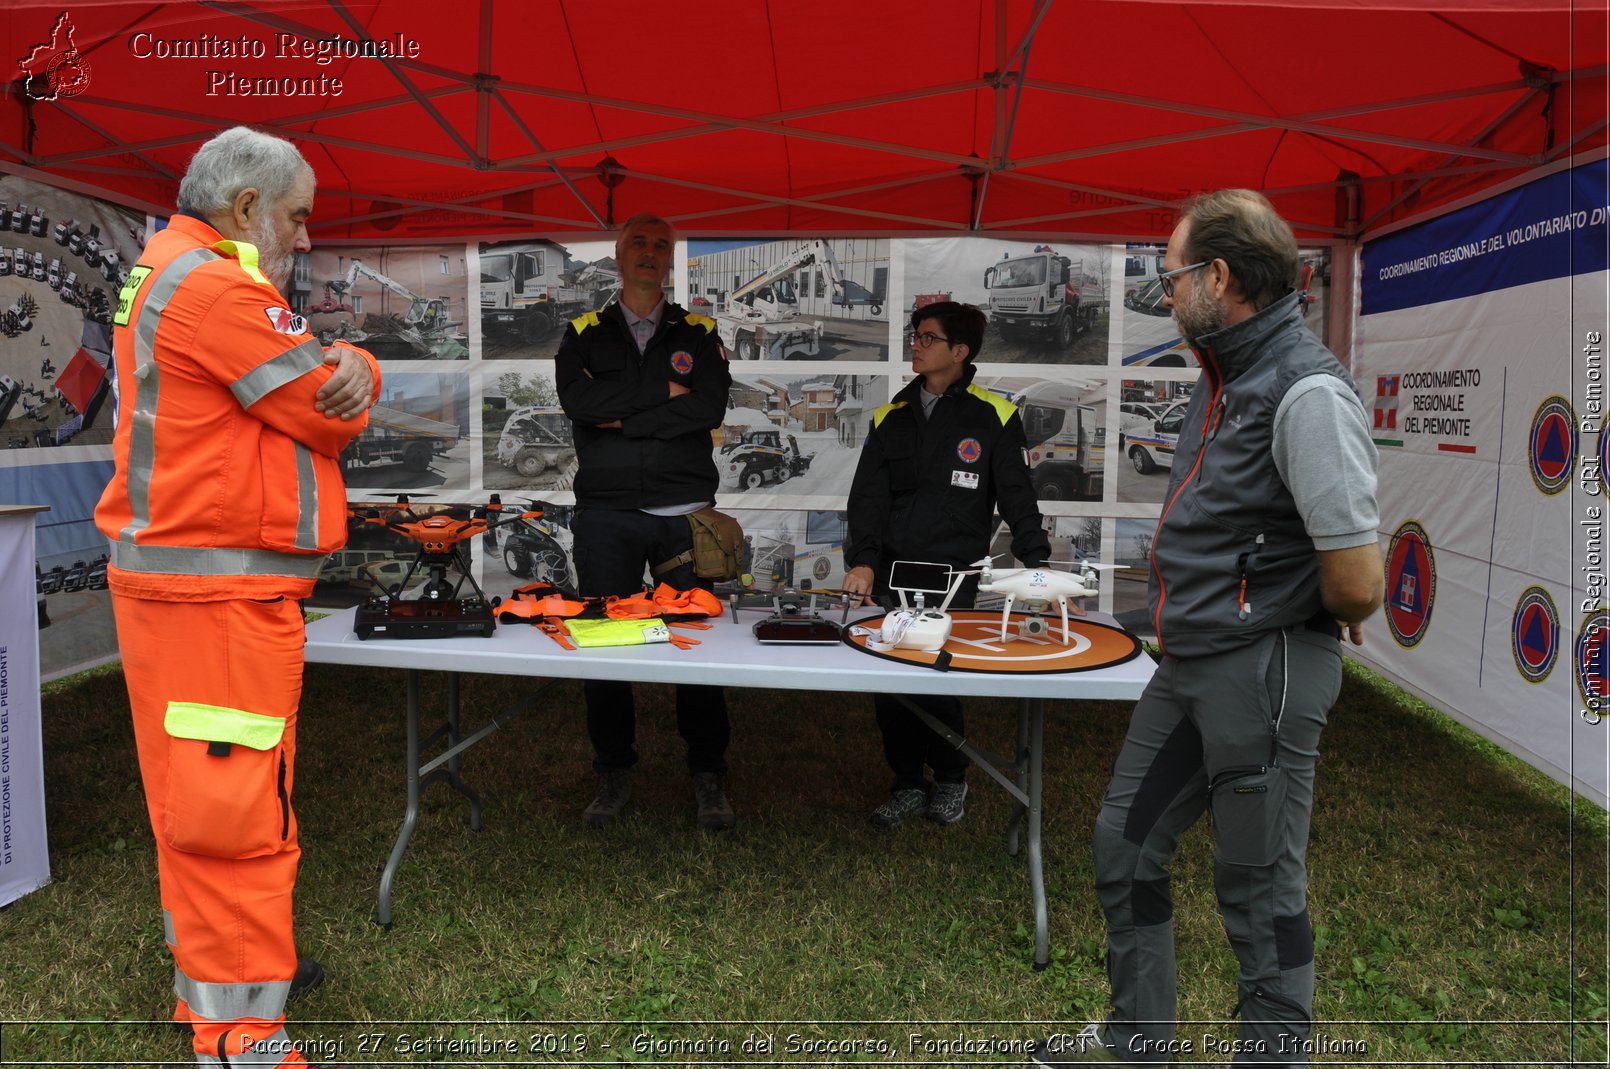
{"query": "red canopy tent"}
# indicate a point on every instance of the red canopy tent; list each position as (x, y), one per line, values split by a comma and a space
(999, 116)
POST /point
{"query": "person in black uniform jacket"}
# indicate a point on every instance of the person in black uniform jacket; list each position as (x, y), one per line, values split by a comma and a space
(645, 383)
(939, 460)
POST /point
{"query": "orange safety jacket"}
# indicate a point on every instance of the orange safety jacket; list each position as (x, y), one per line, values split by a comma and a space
(227, 481)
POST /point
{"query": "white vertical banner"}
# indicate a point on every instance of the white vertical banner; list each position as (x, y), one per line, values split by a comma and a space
(1481, 359)
(24, 858)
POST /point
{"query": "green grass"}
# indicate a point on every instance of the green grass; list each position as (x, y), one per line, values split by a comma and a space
(1459, 897)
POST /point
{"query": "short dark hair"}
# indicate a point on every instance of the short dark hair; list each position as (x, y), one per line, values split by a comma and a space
(963, 324)
(1241, 227)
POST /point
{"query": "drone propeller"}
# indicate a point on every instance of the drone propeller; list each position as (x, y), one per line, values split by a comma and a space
(1105, 567)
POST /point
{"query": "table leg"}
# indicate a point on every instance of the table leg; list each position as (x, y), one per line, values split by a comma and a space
(1042, 933)
(421, 774)
(1021, 766)
(450, 775)
(411, 812)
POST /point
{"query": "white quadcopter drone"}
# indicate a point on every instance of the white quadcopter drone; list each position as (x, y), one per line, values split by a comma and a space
(914, 626)
(1037, 589)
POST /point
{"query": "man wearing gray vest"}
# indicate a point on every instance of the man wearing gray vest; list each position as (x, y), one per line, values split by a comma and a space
(1265, 556)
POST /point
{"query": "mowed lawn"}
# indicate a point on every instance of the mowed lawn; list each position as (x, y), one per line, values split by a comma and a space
(1458, 896)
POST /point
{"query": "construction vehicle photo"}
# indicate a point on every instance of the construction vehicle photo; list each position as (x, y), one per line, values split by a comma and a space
(396, 437)
(526, 290)
(1066, 445)
(1045, 296)
(759, 457)
(425, 330)
(761, 320)
(534, 439)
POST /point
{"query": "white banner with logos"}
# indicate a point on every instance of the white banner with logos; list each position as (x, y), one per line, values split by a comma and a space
(24, 859)
(1481, 356)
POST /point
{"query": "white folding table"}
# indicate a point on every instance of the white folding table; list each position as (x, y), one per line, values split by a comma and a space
(728, 655)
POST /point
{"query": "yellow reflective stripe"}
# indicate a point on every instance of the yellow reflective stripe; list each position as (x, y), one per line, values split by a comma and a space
(881, 411)
(1003, 408)
(582, 322)
(702, 321)
(245, 254)
(215, 723)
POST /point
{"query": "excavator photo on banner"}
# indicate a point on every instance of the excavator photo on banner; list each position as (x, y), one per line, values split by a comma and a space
(424, 331)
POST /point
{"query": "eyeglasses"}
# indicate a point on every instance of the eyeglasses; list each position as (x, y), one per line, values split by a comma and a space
(926, 339)
(1167, 277)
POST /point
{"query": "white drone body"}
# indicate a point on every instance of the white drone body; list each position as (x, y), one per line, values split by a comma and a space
(1037, 589)
(913, 626)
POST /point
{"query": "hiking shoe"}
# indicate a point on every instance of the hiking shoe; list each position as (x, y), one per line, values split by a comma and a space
(710, 792)
(309, 975)
(901, 804)
(947, 806)
(1085, 1048)
(614, 791)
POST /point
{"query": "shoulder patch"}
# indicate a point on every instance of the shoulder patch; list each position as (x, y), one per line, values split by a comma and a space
(285, 321)
(702, 321)
(1003, 408)
(582, 322)
(879, 413)
(131, 289)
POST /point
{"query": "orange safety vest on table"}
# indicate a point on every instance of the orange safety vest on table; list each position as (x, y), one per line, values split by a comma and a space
(226, 498)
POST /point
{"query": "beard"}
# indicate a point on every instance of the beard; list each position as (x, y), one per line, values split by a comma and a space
(273, 258)
(1199, 315)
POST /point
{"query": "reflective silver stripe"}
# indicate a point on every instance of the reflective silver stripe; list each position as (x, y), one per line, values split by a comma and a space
(267, 1053)
(142, 425)
(307, 500)
(188, 560)
(263, 1000)
(270, 375)
(169, 935)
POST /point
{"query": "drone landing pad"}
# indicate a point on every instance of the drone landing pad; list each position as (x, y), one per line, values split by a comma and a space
(975, 645)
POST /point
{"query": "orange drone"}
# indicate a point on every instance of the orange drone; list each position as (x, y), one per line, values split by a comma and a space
(439, 535)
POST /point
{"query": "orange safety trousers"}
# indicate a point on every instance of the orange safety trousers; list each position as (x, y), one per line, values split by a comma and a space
(210, 684)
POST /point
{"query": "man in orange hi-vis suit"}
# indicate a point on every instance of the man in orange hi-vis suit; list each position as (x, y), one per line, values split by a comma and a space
(227, 496)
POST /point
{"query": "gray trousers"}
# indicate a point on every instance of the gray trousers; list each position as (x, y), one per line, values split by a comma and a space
(1204, 737)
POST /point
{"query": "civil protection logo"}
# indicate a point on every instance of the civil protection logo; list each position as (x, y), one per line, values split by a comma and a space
(1593, 658)
(969, 449)
(681, 361)
(55, 69)
(1411, 584)
(1552, 445)
(1534, 633)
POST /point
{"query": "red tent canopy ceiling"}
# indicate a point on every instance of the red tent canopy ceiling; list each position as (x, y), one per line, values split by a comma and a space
(427, 120)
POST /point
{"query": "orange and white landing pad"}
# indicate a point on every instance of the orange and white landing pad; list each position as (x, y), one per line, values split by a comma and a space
(975, 645)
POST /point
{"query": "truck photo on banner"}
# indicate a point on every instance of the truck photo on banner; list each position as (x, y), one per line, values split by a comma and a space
(1484, 377)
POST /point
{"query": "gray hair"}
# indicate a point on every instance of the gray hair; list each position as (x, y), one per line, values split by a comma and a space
(239, 158)
(638, 222)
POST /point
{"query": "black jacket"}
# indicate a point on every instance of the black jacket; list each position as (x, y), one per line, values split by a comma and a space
(662, 453)
(927, 490)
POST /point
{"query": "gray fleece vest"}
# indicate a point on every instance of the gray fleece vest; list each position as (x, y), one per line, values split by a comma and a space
(1231, 559)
